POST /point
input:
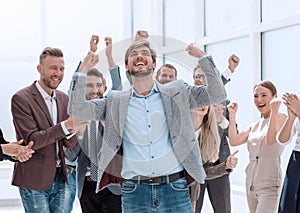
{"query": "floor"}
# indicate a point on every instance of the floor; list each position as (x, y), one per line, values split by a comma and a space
(238, 203)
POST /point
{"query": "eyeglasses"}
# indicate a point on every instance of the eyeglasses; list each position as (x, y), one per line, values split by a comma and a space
(199, 76)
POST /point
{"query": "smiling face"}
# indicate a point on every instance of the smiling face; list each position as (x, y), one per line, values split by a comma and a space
(262, 98)
(140, 62)
(166, 74)
(199, 77)
(95, 87)
(51, 70)
(140, 59)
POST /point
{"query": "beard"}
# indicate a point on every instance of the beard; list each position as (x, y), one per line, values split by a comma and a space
(47, 82)
(140, 74)
(92, 96)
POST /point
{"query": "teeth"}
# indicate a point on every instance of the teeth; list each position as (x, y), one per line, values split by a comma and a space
(139, 63)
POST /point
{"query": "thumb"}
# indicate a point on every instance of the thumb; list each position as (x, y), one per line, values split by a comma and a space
(30, 144)
(19, 142)
(248, 130)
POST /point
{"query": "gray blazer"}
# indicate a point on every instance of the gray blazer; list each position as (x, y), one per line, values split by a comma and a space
(178, 99)
(78, 152)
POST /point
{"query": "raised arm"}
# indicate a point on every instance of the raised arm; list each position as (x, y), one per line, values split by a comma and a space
(233, 63)
(235, 139)
(78, 106)
(93, 43)
(113, 68)
(214, 87)
(293, 107)
(276, 121)
(108, 52)
(197, 117)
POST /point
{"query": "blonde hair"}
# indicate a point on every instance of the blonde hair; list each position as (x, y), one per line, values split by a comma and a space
(209, 139)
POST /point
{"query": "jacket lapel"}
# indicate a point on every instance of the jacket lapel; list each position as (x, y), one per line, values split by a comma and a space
(41, 102)
(59, 106)
(166, 97)
(124, 102)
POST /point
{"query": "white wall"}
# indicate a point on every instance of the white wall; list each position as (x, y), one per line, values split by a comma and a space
(29, 26)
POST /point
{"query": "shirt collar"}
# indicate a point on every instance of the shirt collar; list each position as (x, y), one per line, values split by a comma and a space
(153, 91)
(43, 92)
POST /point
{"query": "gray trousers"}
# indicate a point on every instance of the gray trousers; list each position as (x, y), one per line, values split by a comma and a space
(219, 194)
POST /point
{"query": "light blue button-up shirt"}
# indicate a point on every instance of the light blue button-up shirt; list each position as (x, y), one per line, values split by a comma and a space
(147, 147)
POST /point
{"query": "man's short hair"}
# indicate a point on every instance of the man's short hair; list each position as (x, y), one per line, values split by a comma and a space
(97, 73)
(137, 44)
(50, 51)
(169, 66)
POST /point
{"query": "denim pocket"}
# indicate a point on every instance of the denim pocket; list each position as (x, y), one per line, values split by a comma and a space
(179, 185)
(129, 186)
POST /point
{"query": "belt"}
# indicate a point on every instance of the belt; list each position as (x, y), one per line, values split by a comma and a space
(159, 180)
(209, 164)
(71, 168)
(89, 179)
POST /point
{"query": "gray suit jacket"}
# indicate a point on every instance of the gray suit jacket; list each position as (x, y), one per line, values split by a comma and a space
(178, 99)
(80, 150)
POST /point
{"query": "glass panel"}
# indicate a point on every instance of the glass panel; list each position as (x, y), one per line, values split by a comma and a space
(144, 13)
(20, 27)
(274, 9)
(225, 15)
(239, 89)
(179, 19)
(184, 64)
(70, 27)
(281, 65)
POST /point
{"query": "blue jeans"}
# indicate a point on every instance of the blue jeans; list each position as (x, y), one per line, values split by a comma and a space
(50, 200)
(145, 198)
(70, 191)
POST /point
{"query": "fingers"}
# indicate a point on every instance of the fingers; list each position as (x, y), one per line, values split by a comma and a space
(93, 43)
(29, 146)
(108, 41)
(234, 153)
(141, 34)
(234, 58)
(232, 161)
(193, 50)
(19, 142)
(233, 106)
(95, 39)
(24, 154)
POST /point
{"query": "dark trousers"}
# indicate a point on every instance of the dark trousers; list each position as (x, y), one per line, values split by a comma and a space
(219, 194)
(290, 194)
(101, 202)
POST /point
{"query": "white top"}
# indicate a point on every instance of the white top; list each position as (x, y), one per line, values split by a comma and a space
(295, 131)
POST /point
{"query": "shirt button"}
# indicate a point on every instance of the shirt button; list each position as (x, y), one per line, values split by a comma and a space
(152, 157)
(147, 111)
(149, 125)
